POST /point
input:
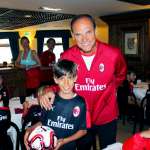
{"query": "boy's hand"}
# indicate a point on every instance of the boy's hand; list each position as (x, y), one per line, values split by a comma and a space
(27, 133)
(60, 143)
(46, 100)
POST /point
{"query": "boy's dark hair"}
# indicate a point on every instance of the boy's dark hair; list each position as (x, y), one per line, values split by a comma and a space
(24, 38)
(63, 67)
(82, 16)
(51, 39)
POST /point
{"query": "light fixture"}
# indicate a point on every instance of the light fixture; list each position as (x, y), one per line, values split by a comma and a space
(49, 9)
(27, 16)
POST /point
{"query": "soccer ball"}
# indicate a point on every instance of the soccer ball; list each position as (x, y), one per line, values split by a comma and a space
(41, 138)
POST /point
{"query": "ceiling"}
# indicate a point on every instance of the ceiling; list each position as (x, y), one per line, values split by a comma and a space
(21, 13)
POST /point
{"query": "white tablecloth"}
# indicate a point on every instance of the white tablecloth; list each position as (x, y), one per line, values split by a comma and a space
(139, 90)
(139, 93)
(16, 117)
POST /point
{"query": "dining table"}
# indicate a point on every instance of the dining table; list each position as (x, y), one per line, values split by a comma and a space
(140, 90)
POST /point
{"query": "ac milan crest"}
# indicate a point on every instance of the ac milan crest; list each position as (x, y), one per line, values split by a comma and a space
(101, 67)
(76, 111)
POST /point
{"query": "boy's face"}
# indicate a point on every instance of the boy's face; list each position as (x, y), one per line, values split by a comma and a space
(66, 83)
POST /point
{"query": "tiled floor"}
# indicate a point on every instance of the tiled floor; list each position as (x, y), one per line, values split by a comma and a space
(124, 131)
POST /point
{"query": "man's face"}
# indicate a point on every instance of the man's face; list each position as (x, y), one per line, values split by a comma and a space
(84, 34)
(51, 45)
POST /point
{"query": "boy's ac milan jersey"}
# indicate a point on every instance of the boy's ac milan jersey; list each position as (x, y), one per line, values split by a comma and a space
(66, 118)
(99, 84)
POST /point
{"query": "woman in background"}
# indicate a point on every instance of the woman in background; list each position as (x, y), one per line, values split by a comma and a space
(29, 60)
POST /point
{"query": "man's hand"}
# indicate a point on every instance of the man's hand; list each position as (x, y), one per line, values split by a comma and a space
(145, 134)
(46, 99)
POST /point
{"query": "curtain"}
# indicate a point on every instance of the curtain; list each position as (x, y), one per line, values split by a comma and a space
(13, 39)
(40, 35)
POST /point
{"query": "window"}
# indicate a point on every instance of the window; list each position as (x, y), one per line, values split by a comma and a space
(58, 47)
(5, 50)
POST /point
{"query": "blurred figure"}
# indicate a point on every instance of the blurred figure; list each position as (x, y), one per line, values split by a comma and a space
(48, 57)
(139, 141)
(5, 140)
(131, 78)
(28, 60)
(4, 96)
(123, 93)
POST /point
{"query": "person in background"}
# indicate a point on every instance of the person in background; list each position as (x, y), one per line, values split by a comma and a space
(47, 60)
(29, 60)
(69, 109)
(101, 69)
(4, 95)
(48, 57)
(131, 78)
(139, 141)
(5, 140)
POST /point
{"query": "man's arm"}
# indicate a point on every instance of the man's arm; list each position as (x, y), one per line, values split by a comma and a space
(121, 69)
(46, 96)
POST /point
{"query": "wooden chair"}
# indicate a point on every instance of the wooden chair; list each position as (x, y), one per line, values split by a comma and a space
(145, 111)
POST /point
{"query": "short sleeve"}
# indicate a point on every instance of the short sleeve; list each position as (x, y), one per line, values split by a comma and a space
(82, 118)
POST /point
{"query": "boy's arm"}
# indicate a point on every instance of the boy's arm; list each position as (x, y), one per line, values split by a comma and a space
(28, 131)
(71, 138)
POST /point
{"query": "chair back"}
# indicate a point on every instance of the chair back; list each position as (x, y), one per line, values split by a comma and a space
(146, 106)
(5, 124)
(4, 119)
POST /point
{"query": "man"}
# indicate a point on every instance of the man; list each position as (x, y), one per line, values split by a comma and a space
(101, 69)
(48, 57)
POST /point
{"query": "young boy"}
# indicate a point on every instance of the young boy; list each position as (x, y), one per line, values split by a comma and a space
(68, 115)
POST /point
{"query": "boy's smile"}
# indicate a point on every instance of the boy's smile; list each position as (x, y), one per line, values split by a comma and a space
(66, 84)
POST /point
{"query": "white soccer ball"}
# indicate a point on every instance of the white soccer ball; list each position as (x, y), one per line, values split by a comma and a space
(42, 137)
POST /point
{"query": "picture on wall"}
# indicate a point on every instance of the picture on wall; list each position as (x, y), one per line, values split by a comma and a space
(131, 43)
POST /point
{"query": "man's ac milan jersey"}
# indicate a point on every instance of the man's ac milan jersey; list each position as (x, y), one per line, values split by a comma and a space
(99, 84)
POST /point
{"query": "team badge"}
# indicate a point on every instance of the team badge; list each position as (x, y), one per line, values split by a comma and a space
(101, 67)
(76, 111)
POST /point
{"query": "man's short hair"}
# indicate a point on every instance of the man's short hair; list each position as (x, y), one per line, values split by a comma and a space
(77, 17)
(64, 67)
(51, 39)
